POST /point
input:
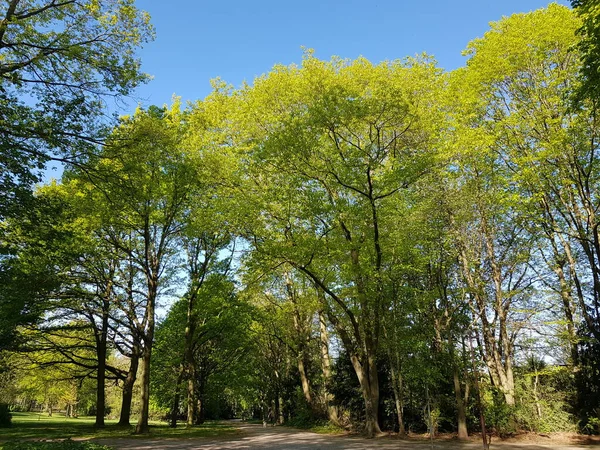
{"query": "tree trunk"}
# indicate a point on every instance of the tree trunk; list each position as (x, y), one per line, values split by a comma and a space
(189, 360)
(369, 384)
(397, 384)
(277, 407)
(200, 416)
(192, 403)
(362, 350)
(175, 405)
(496, 352)
(567, 298)
(142, 425)
(148, 338)
(128, 386)
(460, 407)
(304, 379)
(201, 403)
(461, 400)
(281, 418)
(200, 411)
(100, 392)
(101, 339)
(303, 336)
(265, 413)
(509, 384)
(197, 275)
(332, 411)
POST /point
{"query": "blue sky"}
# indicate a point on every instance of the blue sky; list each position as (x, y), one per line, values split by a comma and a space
(238, 40)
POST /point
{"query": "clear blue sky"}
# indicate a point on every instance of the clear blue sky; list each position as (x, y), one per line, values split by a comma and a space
(238, 40)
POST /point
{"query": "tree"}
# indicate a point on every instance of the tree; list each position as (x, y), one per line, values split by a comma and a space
(288, 305)
(54, 369)
(517, 132)
(202, 262)
(220, 342)
(589, 46)
(341, 142)
(34, 246)
(144, 180)
(59, 62)
(83, 270)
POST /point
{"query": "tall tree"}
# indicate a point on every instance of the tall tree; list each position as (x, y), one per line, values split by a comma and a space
(60, 63)
(144, 177)
(517, 153)
(341, 142)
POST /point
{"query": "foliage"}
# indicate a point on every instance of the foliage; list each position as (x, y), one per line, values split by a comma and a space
(221, 332)
(434, 234)
(587, 381)
(545, 393)
(34, 245)
(498, 415)
(59, 61)
(589, 45)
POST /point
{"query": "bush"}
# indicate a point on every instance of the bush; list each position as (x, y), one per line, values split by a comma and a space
(587, 380)
(499, 416)
(543, 393)
(593, 424)
(303, 416)
(55, 445)
(5, 416)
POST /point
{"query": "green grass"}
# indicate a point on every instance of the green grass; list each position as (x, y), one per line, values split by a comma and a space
(27, 426)
(316, 426)
(327, 429)
(254, 421)
(55, 445)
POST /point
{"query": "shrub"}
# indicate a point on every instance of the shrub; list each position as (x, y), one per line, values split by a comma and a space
(5, 416)
(543, 398)
(498, 415)
(593, 424)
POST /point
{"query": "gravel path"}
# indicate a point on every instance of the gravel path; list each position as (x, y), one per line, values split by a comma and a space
(253, 436)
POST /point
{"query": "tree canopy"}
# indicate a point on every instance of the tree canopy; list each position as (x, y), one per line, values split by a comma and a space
(383, 246)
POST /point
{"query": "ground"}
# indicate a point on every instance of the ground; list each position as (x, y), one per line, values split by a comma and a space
(254, 436)
(236, 435)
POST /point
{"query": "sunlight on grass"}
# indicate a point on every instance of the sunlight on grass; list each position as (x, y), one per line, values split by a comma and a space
(39, 426)
(327, 429)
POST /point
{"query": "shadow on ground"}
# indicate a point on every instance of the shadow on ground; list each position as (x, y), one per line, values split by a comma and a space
(253, 436)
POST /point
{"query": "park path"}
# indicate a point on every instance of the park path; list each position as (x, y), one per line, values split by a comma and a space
(252, 436)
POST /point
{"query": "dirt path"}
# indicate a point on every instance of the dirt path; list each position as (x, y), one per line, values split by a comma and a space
(253, 436)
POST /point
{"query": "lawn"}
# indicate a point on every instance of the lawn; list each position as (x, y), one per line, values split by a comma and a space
(26, 426)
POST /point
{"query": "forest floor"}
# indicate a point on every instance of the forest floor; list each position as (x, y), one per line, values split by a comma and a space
(254, 436)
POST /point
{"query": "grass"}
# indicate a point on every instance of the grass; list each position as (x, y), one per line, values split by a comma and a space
(54, 445)
(32, 426)
(328, 428)
(316, 426)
